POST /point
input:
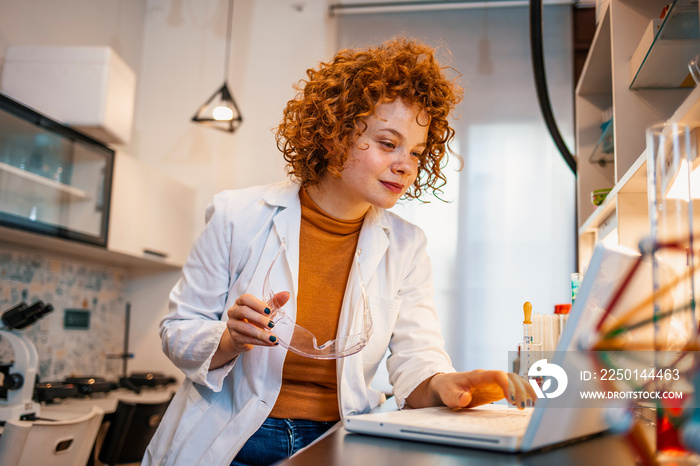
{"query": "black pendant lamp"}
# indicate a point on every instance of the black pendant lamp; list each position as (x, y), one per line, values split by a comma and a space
(220, 110)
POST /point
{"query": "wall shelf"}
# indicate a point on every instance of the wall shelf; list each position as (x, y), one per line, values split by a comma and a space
(49, 187)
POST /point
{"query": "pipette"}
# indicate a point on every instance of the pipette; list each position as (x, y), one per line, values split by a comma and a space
(527, 326)
(527, 336)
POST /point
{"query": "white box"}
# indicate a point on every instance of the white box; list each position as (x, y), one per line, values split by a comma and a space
(89, 88)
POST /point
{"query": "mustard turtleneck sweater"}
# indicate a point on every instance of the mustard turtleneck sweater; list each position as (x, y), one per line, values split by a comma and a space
(326, 251)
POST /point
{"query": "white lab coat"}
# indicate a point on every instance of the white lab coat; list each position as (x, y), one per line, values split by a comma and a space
(214, 412)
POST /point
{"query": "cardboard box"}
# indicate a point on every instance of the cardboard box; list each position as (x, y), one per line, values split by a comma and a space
(89, 88)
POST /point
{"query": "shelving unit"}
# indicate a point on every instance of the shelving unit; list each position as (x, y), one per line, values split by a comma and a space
(605, 82)
(30, 183)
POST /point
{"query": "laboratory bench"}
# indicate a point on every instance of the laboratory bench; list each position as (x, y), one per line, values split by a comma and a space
(342, 448)
(68, 408)
(339, 447)
(72, 407)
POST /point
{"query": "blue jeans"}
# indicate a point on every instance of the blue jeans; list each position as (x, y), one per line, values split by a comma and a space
(277, 439)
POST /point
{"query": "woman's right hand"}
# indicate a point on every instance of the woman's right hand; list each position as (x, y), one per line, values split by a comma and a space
(248, 325)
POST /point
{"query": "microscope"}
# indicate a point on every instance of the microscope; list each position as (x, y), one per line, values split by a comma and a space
(17, 378)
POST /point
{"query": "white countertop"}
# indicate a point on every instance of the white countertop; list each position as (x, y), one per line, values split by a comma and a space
(70, 407)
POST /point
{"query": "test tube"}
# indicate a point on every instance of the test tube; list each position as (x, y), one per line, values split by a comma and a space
(562, 313)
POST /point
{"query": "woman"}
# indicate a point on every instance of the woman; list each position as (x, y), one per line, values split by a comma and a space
(367, 128)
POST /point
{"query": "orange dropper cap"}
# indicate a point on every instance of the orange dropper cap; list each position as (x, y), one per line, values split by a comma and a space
(527, 310)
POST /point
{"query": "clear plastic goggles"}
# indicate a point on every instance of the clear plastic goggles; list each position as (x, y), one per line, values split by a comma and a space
(305, 343)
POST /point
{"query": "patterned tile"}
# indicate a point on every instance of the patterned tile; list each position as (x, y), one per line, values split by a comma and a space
(29, 276)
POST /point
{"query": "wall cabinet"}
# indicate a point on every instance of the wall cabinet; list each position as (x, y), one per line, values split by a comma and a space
(65, 193)
(151, 213)
(89, 88)
(606, 89)
(53, 180)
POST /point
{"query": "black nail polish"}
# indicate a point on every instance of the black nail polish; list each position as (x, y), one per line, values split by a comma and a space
(273, 338)
(267, 310)
(277, 343)
(270, 324)
(522, 403)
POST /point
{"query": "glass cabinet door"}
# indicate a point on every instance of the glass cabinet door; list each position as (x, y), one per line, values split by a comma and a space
(53, 180)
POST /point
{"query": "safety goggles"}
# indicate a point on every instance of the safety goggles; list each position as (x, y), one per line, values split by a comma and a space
(301, 340)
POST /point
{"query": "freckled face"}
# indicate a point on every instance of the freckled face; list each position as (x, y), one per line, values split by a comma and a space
(382, 164)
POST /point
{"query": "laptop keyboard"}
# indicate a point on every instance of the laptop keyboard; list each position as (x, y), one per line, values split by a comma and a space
(507, 421)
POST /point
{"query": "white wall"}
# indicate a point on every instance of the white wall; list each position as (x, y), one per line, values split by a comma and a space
(183, 64)
(118, 24)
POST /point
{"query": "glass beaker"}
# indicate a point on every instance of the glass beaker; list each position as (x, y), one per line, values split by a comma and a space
(673, 178)
(673, 189)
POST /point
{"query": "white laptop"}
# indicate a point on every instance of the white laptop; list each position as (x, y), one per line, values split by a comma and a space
(499, 427)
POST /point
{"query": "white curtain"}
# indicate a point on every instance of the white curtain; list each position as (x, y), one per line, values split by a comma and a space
(508, 234)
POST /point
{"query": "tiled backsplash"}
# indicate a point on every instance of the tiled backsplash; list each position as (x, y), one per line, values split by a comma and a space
(30, 276)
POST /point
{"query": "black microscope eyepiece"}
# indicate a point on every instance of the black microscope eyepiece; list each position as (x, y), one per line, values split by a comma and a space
(23, 315)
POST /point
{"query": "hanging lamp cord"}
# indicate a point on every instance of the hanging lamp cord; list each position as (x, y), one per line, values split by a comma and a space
(229, 22)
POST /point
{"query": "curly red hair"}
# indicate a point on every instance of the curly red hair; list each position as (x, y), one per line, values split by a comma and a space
(324, 118)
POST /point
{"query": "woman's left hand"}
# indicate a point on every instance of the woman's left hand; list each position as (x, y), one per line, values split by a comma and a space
(470, 389)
